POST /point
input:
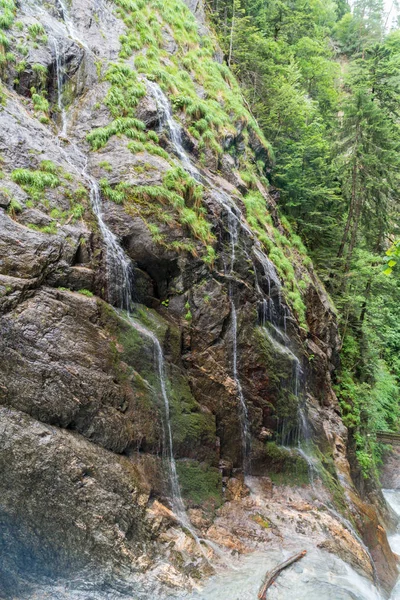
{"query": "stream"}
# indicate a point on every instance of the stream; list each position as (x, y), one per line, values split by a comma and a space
(318, 576)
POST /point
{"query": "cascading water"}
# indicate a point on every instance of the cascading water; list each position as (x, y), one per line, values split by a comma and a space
(175, 133)
(66, 18)
(319, 576)
(281, 342)
(120, 287)
(174, 130)
(243, 411)
(392, 497)
(119, 266)
(270, 315)
(176, 498)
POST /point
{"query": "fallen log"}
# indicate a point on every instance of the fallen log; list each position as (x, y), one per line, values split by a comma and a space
(272, 575)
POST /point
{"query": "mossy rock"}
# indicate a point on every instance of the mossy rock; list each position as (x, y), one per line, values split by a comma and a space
(285, 466)
(280, 366)
(200, 484)
(194, 428)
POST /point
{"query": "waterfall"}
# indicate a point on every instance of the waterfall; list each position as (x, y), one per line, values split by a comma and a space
(303, 441)
(120, 288)
(175, 134)
(243, 412)
(174, 129)
(69, 23)
(119, 266)
(176, 500)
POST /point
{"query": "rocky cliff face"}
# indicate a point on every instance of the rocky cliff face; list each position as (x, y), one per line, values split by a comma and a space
(124, 139)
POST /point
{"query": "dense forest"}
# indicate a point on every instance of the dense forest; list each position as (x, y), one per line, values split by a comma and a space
(323, 82)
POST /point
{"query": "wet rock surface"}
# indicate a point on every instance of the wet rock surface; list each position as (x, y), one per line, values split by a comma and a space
(84, 489)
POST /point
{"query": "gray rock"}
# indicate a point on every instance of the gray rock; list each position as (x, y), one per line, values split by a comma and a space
(68, 507)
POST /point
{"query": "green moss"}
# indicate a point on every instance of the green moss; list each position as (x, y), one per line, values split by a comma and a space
(87, 293)
(285, 467)
(199, 483)
(261, 520)
(191, 427)
(137, 351)
(280, 366)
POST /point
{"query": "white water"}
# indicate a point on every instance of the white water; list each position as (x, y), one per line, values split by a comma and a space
(67, 19)
(243, 411)
(335, 579)
(176, 498)
(175, 134)
(60, 73)
(120, 282)
(174, 129)
(318, 576)
(392, 497)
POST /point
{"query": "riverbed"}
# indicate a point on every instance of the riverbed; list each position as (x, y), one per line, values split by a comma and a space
(320, 575)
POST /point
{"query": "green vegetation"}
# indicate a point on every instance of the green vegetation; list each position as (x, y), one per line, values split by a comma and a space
(49, 176)
(7, 16)
(321, 80)
(35, 182)
(285, 467)
(14, 207)
(199, 483)
(37, 33)
(87, 293)
(180, 195)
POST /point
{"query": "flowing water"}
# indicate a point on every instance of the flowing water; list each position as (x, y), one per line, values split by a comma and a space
(176, 498)
(341, 581)
(393, 499)
(60, 74)
(120, 288)
(175, 134)
(318, 576)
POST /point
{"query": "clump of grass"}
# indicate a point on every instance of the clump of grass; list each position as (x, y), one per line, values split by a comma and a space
(125, 91)
(87, 293)
(128, 126)
(37, 33)
(35, 182)
(14, 207)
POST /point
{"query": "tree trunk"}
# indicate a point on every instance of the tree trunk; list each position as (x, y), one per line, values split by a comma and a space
(353, 239)
(231, 36)
(272, 575)
(351, 211)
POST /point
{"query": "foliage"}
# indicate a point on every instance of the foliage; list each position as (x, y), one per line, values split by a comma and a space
(322, 80)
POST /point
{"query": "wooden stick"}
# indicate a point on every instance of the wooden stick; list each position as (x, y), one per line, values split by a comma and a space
(272, 575)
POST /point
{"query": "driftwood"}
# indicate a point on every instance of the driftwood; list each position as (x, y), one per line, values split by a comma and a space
(272, 575)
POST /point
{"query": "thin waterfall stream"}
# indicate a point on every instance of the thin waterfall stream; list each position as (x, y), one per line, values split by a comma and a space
(120, 283)
(270, 320)
(60, 76)
(175, 133)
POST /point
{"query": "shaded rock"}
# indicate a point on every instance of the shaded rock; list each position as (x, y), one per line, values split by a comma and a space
(62, 366)
(100, 494)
